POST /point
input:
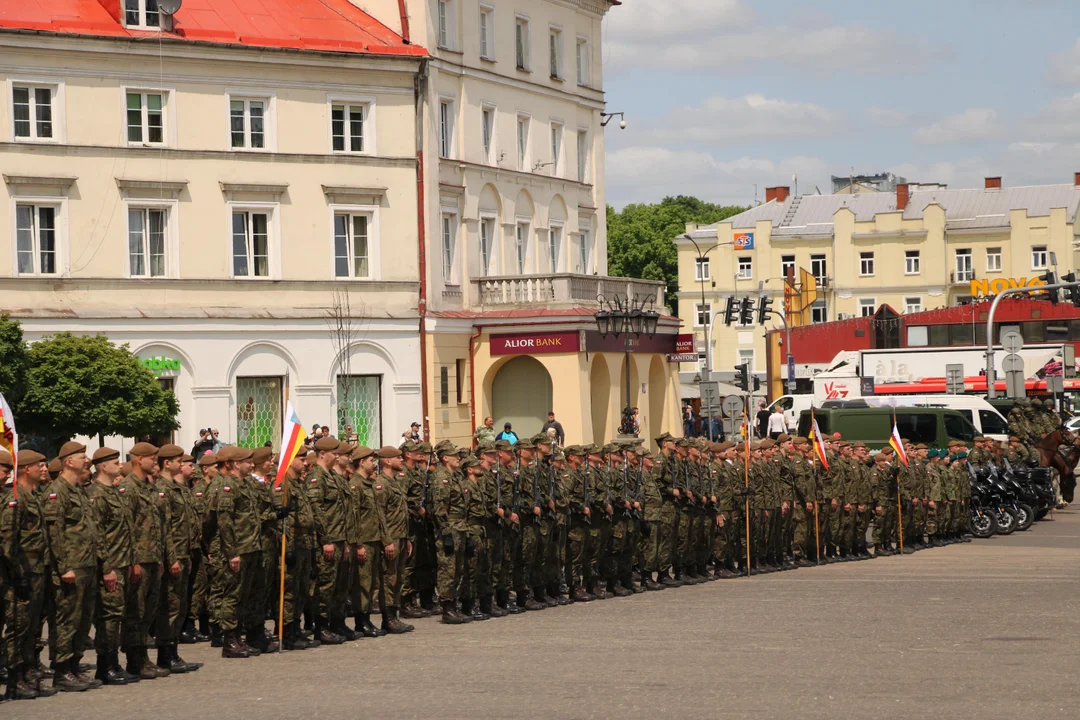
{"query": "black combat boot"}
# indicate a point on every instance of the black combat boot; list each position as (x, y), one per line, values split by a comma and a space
(217, 637)
(392, 625)
(450, 615)
(121, 670)
(488, 606)
(427, 603)
(174, 653)
(409, 609)
(343, 630)
(108, 670)
(232, 648)
(65, 680)
(503, 601)
(17, 686)
(367, 628)
(164, 659)
(325, 635)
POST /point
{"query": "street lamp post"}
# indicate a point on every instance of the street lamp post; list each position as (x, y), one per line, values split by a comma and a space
(627, 317)
(700, 260)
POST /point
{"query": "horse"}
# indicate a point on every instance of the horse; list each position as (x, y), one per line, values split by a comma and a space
(1060, 451)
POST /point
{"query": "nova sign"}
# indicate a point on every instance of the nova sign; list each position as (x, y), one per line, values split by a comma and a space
(995, 286)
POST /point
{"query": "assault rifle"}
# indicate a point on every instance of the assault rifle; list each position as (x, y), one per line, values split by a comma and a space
(585, 490)
(426, 488)
(536, 493)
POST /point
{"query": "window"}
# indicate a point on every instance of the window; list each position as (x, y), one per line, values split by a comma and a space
(992, 423)
(701, 269)
(352, 250)
(912, 304)
(993, 259)
(521, 37)
(251, 243)
(359, 405)
(444, 381)
(702, 313)
(746, 357)
(446, 128)
(521, 245)
(1038, 257)
(347, 121)
(146, 242)
(581, 56)
(448, 243)
(819, 269)
(555, 247)
(912, 265)
(487, 245)
(866, 263)
(964, 272)
(867, 307)
(582, 156)
(444, 23)
(555, 54)
(556, 148)
(487, 32)
(819, 312)
(746, 268)
(523, 142)
(35, 229)
(32, 111)
(585, 249)
(247, 123)
(487, 120)
(459, 365)
(146, 117)
(918, 336)
(141, 13)
(787, 266)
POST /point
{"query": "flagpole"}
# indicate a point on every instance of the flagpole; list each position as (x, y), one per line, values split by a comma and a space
(817, 526)
(899, 507)
(746, 472)
(284, 522)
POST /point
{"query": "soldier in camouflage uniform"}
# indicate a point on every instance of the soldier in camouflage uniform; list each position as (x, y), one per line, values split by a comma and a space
(418, 582)
(299, 545)
(1017, 454)
(265, 584)
(476, 577)
(552, 543)
(369, 534)
(527, 576)
(327, 495)
(200, 579)
(449, 505)
(391, 504)
(884, 480)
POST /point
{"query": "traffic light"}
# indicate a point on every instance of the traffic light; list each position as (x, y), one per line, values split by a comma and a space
(1072, 293)
(764, 306)
(742, 376)
(730, 310)
(757, 383)
(1055, 294)
(746, 311)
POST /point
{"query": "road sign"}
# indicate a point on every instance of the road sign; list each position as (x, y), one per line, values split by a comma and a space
(954, 378)
(1055, 383)
(866, 386)
(710, 393)
(1012, 363)
(732, 427)
(791, 369)
(1012, 341)
(1014, 384)
(733, 406)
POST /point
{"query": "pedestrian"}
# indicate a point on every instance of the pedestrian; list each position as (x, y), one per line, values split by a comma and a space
(507, 434)
(204, 444)
(776, 426)
(762, 417)
(412, 434)
(688, 420)
(560, 436)
(485, 434)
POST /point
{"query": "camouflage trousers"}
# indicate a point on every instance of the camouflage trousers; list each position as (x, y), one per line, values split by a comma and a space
(862, 524)
(420, 568)
(22, 618)
(389, 573)
(802, 532)
(885, 526)
(297, 583)
(579, 540)
(332, 583)
(599, 550)
(680, 551)
(665, 536)
(74, 613)
(623, 536)
(172, 609)
(198, 587)
(451, 565)
(555, 555)
(269, 592)
(109, 613)
(527, 568)
(476, 579)
(236, 592)
(364, 578)
(142, 606)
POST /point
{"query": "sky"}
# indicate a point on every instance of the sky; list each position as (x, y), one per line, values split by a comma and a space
(721, 95)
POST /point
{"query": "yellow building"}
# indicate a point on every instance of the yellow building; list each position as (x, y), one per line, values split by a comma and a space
(913, 249)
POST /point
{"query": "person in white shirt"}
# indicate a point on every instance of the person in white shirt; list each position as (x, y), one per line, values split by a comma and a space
(777, 425)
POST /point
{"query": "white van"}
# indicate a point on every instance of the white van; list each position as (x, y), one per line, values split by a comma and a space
(793, 405)
(984, 416)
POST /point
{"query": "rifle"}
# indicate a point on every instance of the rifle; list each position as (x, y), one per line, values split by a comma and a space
(426, 488)
(517, 487)
(13, 677)
(551, 477)
(585, 490)
(625, 483)
(675, 526)
(536, 494)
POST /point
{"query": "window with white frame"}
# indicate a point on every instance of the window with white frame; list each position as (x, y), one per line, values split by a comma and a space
(487, 32)
(352, 245)
(555, 54)
(993, 259)
(348, 123)
(867, 306)
(581, 57)
(32, 112)
(819, 312)
(449, 242)
(487, 246)
(251, 243)
(701, 269)
(585, 251)
(247, 122)
(866, 263)
(819, 269)
(1038, 257)
(487, 130)
(555, 236)
(521, 42)
(787, 266)
(912, 304)
(702, 313)
(964, 271)
(521, 246)
(746, 268)
(583, 156)
(523, 142)
(912, 262)
(146, 241)
(556, 148)
(141, 14)
(746, 357)
(446, 128)
(444, 13)
(36, 229)
(146, 117)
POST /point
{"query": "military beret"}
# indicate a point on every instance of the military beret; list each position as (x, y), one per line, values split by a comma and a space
(921, 446)
(726, 445)
(801, 441)
(842, 444)
(240, 453)
(362, 452)
(261, 455)
(388, 451)
(979, 438)
(104, 454)
(931, 453)
(959, 454)
(344, 448)
(485, 447)
(767, 444)
(29, 457)
(957, 443)
(187, 458)
(144, 449)
(326, 444)
(503, 445)
(208, 459)
(70, 448)
(168, 452)
(5, 459)
(783, 438)
(1013, 438)
(54, 466)
(887, 450)
(836, 436)
(858, 444)
(302, 451)
(226, 453)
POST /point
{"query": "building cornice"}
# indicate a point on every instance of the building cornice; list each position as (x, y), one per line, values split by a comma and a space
(596, 102)
(488, 171)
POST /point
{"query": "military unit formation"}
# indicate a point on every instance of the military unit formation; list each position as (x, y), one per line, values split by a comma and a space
(166, 549)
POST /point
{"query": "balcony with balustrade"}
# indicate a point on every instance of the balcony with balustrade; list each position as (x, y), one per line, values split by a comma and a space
(559, 291)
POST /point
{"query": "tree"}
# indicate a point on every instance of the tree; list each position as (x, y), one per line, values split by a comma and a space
(14, 361)
(89, 386)
(640, 238)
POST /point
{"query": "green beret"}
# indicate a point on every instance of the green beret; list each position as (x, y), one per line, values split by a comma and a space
(960, 454)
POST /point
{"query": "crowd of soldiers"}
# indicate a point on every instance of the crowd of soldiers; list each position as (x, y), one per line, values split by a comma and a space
(164, 549)
(1030, 420)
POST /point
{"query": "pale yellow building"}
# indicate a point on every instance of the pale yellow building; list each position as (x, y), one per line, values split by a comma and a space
(912, 249)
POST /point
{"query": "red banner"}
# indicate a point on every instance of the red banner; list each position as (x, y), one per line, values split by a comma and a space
(536, 343)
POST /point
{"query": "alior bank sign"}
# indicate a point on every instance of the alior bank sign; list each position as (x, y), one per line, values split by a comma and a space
(981, 288)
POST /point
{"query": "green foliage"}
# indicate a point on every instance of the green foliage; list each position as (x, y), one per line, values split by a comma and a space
(640, 238)
(13, 361)
(88, 386)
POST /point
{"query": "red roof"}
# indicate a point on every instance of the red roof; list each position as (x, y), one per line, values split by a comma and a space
(316, 25)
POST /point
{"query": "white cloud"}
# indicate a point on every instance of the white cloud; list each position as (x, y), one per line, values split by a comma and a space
(886, 117)
(720, 120)
(970, 125)
(1064, 67)
(1060, 120)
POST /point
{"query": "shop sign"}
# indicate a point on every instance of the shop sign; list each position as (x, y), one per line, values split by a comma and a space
(682, 357)
(536, 343)
(744, 241)
(663, 344)
(684, 344)
(160, 365)
(981, 288)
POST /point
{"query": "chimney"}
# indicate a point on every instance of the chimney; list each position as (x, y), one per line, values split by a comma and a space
(779, 193)
(902, 196)
(1076, 179)
(993, 183)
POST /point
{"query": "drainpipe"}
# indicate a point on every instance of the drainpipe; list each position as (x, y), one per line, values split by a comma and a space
(421, 210)
(404, 28)
(472, 379)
